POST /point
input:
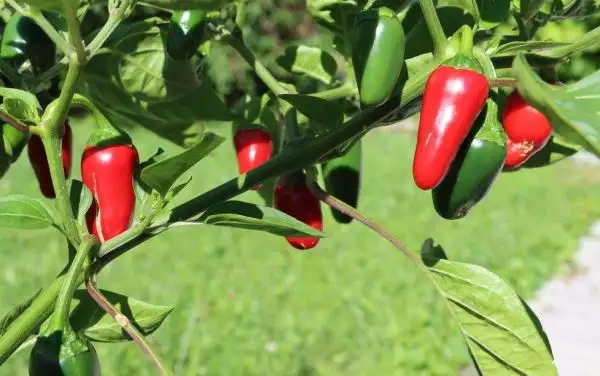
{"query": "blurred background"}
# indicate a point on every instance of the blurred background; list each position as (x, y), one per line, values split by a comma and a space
(248, 304)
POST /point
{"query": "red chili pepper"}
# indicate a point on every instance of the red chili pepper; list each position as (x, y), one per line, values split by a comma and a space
(253, 147)
(297, 201)
(452, 100)
(528, 130)
(108, 172)
(39, 160)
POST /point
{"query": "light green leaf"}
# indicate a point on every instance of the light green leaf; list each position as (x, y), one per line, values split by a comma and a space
(22, 212)
(187, 4)
(21, 111)
(503, 335)
(249, 216)
(163, 174)
(311, 61)
(98, 326)
(25, 96)
(572, 109)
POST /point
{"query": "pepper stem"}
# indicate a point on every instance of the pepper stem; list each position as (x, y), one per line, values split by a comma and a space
(440, 40)
(466, 40)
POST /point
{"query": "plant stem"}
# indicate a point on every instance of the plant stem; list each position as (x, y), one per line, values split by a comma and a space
(319, 193)
(435, 27)
(29, 320)
(75, 38)
(53, 124)
(114, 20)
(503, 82)
(259, 68)
(240, 14)
(10, 73)
(126, 325)
(337, 93)
(590, 39)
(63, 302)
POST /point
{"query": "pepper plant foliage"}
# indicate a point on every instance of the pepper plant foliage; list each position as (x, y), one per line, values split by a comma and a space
(122, 73)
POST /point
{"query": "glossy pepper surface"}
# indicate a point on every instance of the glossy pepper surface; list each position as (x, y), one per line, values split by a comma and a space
(50, 357)
(254, 147)
(378, 43)
(475, 168)
(528, 130)
(39, 161)
(455, 94)
(108, 172)
(293, 197)
(342, 178)
(186, 33)
(24, 40)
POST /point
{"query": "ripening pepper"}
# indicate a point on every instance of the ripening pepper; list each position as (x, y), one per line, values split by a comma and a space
(528, 130)
(254, 147)
(186, 33)
(378, 43)
(39, 160)
(455, 94)
(475, 168)
(292, 196)
(342, 178)
(108, 172)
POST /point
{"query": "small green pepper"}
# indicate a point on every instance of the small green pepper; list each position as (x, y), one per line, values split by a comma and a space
(186, 33)
(377, 54)
(475, 168)
(72, 355)
(342, 179)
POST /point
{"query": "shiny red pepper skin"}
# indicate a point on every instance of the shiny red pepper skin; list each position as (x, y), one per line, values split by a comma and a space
(297, 201)
(253, 147)
(452, 100)
(39, 161)
(108, 173)
(528, 130)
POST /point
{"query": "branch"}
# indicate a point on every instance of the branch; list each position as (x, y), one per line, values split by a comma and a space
(435, 27)
(126, 325)
(117, 16)
(74, 32)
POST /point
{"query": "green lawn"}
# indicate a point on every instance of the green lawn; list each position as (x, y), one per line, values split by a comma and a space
(248, 304)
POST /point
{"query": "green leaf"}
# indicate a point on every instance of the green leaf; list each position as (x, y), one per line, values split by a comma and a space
(532, 47)
(21, 111)
(22, 212)
(81, 199)
(571, 109)
(249, 216)
(329, 114)
(187, 4)
(503, 334)
(555, 150)
(310, 61)
(98, 326)
(163, 174)
(15, 312)
(146, 71)
(493, 12)
(56, 5)
(25, 96)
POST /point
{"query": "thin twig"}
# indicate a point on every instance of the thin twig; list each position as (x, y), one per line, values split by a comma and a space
(319, 193)
(15, 123)
(126, 325)
(503, 82)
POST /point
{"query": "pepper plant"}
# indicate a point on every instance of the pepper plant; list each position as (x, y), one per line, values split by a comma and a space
(456, 64)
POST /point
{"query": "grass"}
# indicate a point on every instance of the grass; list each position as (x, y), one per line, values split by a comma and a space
(247, 304)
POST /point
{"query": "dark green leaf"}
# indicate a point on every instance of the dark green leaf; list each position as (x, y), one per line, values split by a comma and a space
(328, 114)
(162, 175)
(15, 312)
(310, 61)
(177, 189)
(493, 12)
(81, 199)
(556, 150)
(146, 71)
(22, 212)
(571, 109)
(502, 333)
(98, 326)
(249, 216)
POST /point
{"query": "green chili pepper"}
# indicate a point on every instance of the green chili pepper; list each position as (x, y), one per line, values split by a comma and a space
(72, 355)
(342, 179)
(186, 33)
(377, 54)
(475, 168)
